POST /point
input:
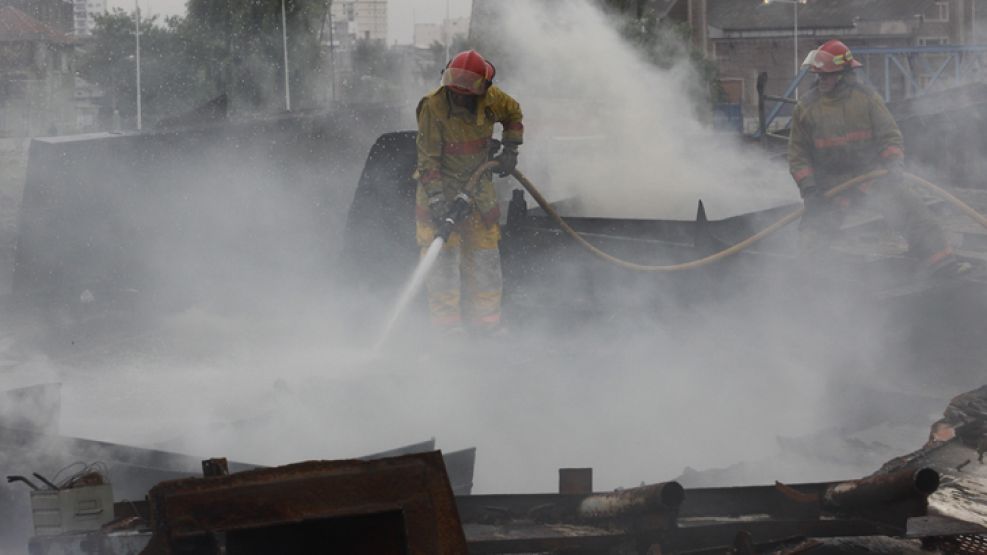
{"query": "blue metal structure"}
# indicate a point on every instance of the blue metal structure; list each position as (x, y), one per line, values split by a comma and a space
(907, 72)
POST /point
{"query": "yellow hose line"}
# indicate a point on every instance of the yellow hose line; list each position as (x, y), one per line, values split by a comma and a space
(964, 207)
(729, 251)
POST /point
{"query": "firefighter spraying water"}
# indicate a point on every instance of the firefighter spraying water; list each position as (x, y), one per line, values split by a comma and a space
(457, 227)
(455, 137)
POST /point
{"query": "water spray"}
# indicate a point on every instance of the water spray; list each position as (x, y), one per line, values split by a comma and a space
(458, 212)
(461, 207)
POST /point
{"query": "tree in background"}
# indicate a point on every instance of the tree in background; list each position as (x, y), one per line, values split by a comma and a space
(243, 50)
(376, 75)
(109, 60)
(230, 46)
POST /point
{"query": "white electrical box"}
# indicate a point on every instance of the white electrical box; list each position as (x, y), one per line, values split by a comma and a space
(71, 510)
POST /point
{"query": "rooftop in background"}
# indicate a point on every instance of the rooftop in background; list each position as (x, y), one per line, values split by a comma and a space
(16, 26)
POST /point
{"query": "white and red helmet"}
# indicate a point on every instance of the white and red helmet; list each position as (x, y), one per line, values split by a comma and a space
(468, 73)
(832, 57)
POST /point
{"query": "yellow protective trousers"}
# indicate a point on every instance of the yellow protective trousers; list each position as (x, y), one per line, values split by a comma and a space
(465, 285)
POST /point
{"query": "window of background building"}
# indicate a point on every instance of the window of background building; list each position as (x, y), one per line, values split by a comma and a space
(939, 11)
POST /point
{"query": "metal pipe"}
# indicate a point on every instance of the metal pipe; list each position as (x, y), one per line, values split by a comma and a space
(881, 489)
(445, 33)
(137, 59)
(12, 479)
(651, 498)
(332, 54)
(781, 99)
(284, 43)
(795, 45)
(45, 481)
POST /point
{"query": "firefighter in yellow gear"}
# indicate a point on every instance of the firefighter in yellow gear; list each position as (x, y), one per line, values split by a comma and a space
(842, 129)
(455, 136)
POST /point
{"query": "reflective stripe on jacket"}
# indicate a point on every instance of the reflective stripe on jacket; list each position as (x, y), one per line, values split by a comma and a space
(453, 142)
(841, 134)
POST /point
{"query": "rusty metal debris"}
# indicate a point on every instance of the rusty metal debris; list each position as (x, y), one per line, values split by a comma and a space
(251, 511)
(676, 520)
(796, 495)
(405, 504)
(396, 505)
(654, 498)
(881, 489)
(525, 523)
(575, 480)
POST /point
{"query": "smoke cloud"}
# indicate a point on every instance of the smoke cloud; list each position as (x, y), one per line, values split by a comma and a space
(618, 133)
(639, 377)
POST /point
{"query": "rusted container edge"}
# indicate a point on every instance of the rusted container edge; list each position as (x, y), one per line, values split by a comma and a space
(881, 489)
(651, 498)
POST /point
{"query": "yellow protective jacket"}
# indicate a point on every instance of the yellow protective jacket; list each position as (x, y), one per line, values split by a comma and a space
(841, 134)
(453, 142)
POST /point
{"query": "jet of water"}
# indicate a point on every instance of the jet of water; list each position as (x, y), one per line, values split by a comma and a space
(411, 289)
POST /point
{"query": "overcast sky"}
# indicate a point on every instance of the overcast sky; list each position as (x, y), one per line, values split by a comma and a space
(402, 14)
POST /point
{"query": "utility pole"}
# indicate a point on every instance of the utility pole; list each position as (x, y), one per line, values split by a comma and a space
(137, 57)
(332, 54)
(795, 33)
(445, 32)
(227, 70)
(284, 41)
(795, 42)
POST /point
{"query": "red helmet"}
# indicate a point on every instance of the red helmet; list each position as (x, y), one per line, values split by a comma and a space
(833, 56)
(468, 73)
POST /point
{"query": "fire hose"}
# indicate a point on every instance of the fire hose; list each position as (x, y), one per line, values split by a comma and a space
(729, 251)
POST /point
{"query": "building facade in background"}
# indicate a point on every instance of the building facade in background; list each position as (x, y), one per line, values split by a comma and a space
(37, 79)
(427, 34)
(746, 37)
(354, 20)
(56, 14)
(84, 14)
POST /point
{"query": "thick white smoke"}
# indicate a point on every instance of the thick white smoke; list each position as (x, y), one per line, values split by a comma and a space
(620, 134)
(697, 381)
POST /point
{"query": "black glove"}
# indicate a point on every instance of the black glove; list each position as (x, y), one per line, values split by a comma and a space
(507, 159)
(493, 147)
(438, 206)
(896, 170)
